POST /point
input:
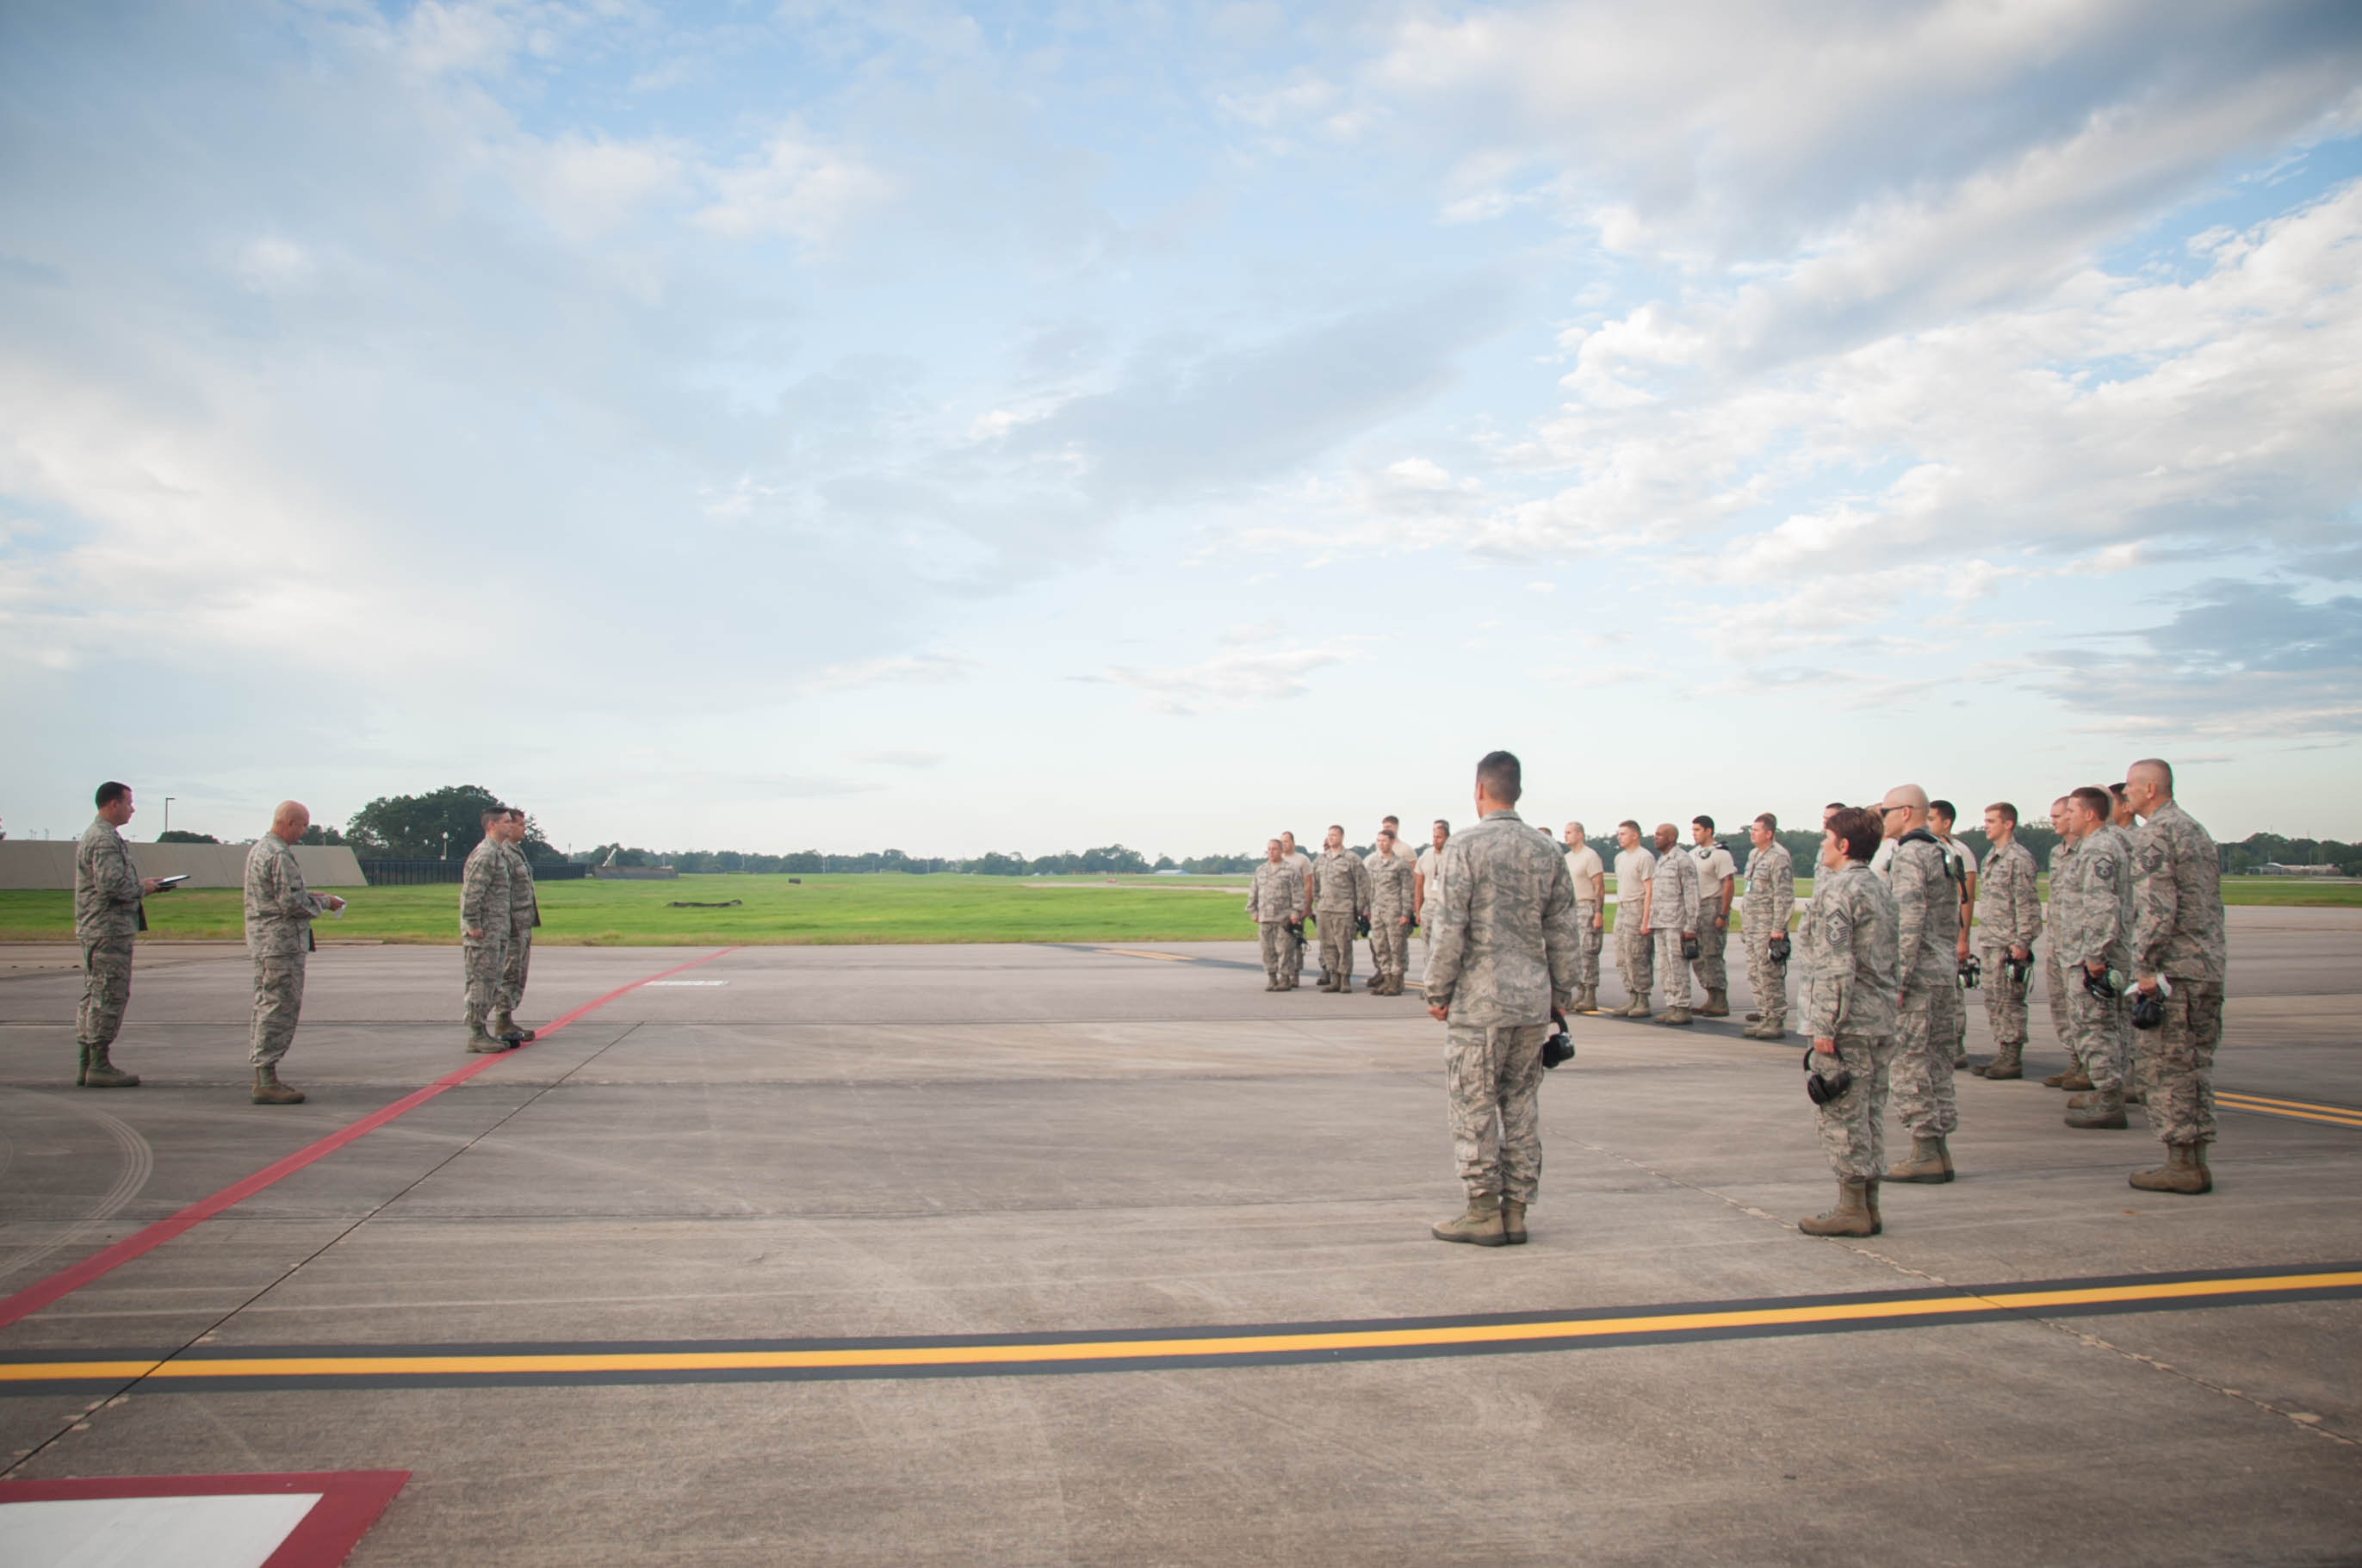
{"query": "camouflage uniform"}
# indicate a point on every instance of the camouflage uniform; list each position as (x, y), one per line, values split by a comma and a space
(483, 906)
(525, 913)
(279, 913)
(1672, 910)
(1340, 890)
(1771, 899)
(1391, 885)
(1713, 864)
(1504, 956)
(2009, 913)
(1276, 898)
(1949, 1015)
(2177, 933)
(1582, 866)
(1928, 904)
(1852, 930)
(108, 915)
(1636, 955)
(2091, 913)
(2054, 982)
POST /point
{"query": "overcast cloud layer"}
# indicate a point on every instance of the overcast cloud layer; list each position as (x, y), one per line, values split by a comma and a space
(896, 425)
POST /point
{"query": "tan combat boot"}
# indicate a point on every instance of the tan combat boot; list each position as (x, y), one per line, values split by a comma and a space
(2101, 1107)
(99, 1073)
(2184, 1171)
(1717, 1003)
(1637, 1009)
(1513, 1221)
(1677, 1015)
(2058, 1079)
(2010, 1063)
(2077, 1079)
(1850, 1217)
(504, 1027)
(1754, 1018)
(1870, 1197)
(1930, 1162)
(479, 1041)
(268, 1091)
(1481, 1224)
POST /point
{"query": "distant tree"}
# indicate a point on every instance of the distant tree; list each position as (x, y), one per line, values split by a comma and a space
(414, 827)
(182, 835)
(1220, 865)
(315, 834)
(1166, 863)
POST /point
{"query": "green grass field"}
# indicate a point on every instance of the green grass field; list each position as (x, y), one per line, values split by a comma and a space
(821, 909)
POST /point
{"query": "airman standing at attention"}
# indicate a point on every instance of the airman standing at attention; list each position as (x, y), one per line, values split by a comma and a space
(484, 927)
(1590, 876)
(1770, 901)
(1428, 888)
(2009, 916)
(279, 914)
(1671, 916)
(1340, 894)
(1303, 864)
(2054, 979)
(1277, 905)
(1504, 958)
(1853, 929)
(1927, 903)
(525, 913)
(2126, 821)
(1394, 893)
(2181, 958)
(2093, 918)
(1952, 1015)
(1635, 950)
(1718, 878)
(109, 918)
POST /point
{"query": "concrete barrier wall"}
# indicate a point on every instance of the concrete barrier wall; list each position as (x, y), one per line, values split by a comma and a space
(49, 863)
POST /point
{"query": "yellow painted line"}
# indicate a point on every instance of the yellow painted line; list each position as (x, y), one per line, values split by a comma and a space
(1128, 953)
(1087, 1350)
(2290, 1115)
(2243, 1096)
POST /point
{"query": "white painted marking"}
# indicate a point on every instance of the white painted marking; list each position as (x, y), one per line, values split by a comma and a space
(653, 983)
(222, 1530)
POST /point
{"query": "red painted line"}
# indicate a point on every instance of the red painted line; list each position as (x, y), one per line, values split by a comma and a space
(66, 1281)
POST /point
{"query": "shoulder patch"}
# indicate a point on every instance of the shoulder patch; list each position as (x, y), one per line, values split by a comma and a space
(2103, 866)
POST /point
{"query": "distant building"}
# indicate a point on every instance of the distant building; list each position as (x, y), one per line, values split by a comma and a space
(2274, 869)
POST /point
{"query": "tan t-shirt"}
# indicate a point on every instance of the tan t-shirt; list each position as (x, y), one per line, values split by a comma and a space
(1582, 864)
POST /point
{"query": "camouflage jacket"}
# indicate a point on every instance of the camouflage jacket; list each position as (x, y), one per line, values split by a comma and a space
(107, 886)
(1674, 893)
(1854, 929)
(2177, 899)
(484, 891)
(2091, 903)
(1771, 890)
(524, 909)
(1391, 885)
(2009, 905)
(1340, 883)
(278, 907)
(1503, 945)
(1278, 891)
(1927, 902)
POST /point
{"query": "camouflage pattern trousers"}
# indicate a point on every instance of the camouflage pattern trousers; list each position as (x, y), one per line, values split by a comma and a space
(278, 1003)
(1390, 947)
(1853, 1125)
(1495, 1079)
(1635, 954)
(1588, 943)
(106, 992)
(514, 964)
(1673, 970)
(481, 962)
(2004, 1000)
(1712, 971)
(2054, 988)
(2179, 1059)
(1279, 951)
(2096, 1028)
(1767, 982)
(1337, 946)
(1922, 1070)
(1949, 1019)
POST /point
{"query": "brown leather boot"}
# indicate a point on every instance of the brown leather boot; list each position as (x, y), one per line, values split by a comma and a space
(268, 1091)
(2058, 1079)
(2009, 1064)
(1850, 1217)
(2184, 1171)
(1678, 1015)
(1930, 1162)
(1717, 1003)
(1513, 1221)
(504, 1027)
(99, 1073)
(1637, 1009)
(2077, 1079)
(2101, 1109)
(1481, 1224)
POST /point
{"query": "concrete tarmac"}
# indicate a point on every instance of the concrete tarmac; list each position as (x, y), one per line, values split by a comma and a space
(890, 1154)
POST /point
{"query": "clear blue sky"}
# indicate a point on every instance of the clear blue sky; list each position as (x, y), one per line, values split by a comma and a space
(1024, 428)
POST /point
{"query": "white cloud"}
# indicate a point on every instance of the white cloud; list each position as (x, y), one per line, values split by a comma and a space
(898, 757)
(901, 669)
(1230, 680)
(797, 188)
